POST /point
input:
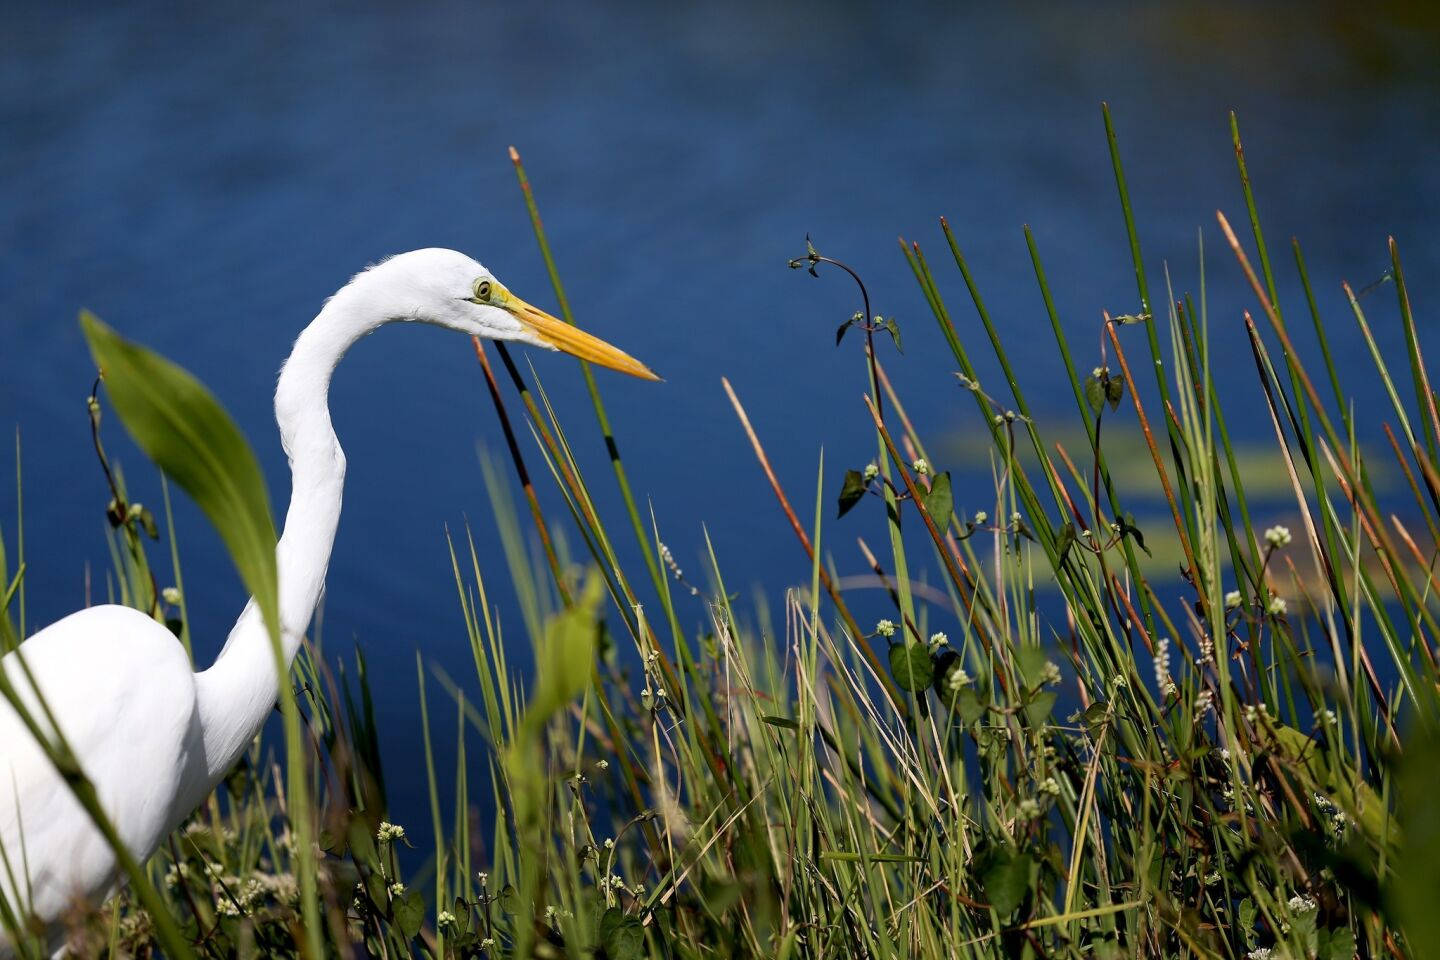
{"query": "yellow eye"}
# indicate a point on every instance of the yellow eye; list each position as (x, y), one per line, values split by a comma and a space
(482, 289)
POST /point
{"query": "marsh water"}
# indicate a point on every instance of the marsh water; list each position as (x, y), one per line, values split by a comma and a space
(203, 179)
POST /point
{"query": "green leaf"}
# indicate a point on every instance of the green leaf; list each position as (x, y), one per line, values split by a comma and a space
(1341, 945)
(191, 438)
(1065, 540)
(1037, 711)
(1114, 390)
(621, 936)
(1031, 663)
(1416, 888)
(1005, 878)
(971, 706)
(851, 491)
(410, 913)
(1095, 393)
(946, 664)
(777, 721)
(893, 329)
(1247, 921)
(1095, 717)
(912, 666)
(1128, 529)
(939, 502)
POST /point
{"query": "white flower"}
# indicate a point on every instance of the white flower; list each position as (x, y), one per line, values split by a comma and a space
(397, 888)
(483, 877)
(1301, 904)
(171, 596)
(487, 943)
(445, 919)
(609, 843)
(389, 832)
(1278, 536)
(1098, 372)
(1051, 672)
(921, 467)
(1233, 600)
(886, 628)
(957, 678)
(1029, 808)
(1260, 953)
(1277, 606)
(1203, 701)
(981, 518)
(602, 764)
(938, 639)
(1162, 665)
(871, 472)
(1051, 786)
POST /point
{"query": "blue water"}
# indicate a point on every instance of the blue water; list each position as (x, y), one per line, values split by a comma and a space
(204, 179)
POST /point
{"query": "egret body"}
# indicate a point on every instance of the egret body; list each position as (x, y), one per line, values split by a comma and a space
(153, 735)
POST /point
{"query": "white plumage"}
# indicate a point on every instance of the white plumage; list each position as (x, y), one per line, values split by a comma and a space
(154, 736)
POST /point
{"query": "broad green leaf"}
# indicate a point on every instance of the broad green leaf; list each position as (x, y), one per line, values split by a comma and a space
(189, 436)
(410, 912)
(1095, 393)
(1005, 878)
(939, 502)
(621, 936)
(1114, 390)
(851, 491)
(912, 666)
(1065, 540)
(1037, 711)
(972, 706)
(946, 666)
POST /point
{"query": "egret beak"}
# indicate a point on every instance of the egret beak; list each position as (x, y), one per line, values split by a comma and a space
(574, 341)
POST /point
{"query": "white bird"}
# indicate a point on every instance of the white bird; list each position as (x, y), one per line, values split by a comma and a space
(154, 736)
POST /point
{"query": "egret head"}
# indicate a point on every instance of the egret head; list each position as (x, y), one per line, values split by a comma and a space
(452, 290)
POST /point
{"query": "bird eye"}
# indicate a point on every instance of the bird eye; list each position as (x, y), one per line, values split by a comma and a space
(482, 290)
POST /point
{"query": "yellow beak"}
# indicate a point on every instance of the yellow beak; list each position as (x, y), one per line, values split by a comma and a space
(574, 341)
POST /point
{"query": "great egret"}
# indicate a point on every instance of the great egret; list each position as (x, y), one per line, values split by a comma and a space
(154, 736)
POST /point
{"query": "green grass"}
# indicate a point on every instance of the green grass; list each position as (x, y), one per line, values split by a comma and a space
(1050, 748)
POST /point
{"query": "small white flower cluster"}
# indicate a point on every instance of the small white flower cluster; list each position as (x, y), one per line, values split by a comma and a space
(1233, 600)
(612, 882)
(921, 467)
(1326, 718)
(1278, 536)
(483, 877)
(1260, 953)
(1276, 606)
(669, 559)
(1336, 816)
(487, 944)
(957, 678)
(1050, 673)
(1207, 650)
(1203, 702)
(445, 920)
(885, 628)
(397, 888)
(1162, 668)
(1030, 808)
(871, 472)
(389, 832)
(1051, 786)
(1254, 713)
(938, 640)
(981, 518)
(1301, 903)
